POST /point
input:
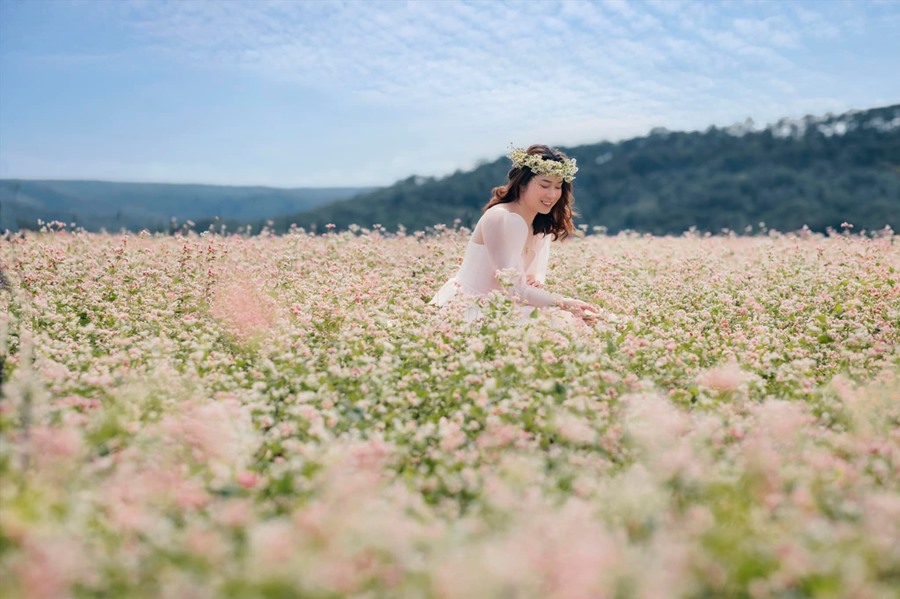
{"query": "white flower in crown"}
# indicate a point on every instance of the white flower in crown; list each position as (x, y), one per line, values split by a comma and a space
(564, 170)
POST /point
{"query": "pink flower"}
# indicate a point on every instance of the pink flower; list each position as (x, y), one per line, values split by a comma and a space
(452, 436)
(244, 309)
(235, 513)
(575, 429)
(725, 378)
(248, 480)
(50, 565)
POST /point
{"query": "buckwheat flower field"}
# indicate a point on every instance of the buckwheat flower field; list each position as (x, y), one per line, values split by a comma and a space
(203, 416)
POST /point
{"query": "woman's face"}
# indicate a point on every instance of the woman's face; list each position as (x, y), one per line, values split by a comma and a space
(541, 193)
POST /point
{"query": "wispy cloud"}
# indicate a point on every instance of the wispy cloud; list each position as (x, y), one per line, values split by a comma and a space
(470, 56)
(476, 75)
(772, 31)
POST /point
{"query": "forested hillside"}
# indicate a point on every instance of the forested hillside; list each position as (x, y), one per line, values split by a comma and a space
(816, 171)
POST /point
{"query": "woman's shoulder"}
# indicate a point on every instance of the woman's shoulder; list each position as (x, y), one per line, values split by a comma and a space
(498, 215)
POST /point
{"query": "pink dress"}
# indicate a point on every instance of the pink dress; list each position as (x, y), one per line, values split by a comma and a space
(509, 246)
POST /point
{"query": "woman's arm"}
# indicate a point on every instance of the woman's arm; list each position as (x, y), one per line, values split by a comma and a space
(536, 272)
(504, 235)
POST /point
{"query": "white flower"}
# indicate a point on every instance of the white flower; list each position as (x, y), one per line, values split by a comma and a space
(564, 170)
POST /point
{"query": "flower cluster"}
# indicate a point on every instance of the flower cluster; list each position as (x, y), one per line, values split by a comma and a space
(565, 170)
(212, 416)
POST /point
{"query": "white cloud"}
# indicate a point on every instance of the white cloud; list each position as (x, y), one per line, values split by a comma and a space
(815, 24)
(637, 19)
(773, 31)
(750, 56)
(476, 75)
(459, 56)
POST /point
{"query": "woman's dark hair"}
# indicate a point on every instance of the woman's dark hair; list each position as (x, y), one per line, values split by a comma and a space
(559, 221)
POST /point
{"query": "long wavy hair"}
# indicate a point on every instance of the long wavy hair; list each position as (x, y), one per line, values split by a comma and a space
(558, 222)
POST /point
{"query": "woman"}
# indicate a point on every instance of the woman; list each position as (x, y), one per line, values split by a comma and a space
(511, 241)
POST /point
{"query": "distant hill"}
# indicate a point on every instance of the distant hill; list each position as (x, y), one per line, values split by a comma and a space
(815, 171)
(133, 206)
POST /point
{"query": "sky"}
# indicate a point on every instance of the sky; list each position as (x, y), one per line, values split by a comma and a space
(314, 93)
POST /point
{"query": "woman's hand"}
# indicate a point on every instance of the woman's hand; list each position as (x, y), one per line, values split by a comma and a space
(585, 311)
(533, 282)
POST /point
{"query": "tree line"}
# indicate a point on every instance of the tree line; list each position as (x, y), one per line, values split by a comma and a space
(818, 172)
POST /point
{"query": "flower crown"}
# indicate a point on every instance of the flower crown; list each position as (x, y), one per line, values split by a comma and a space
(564, 170)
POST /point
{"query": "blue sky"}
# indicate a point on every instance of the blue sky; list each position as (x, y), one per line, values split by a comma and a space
(321, 93)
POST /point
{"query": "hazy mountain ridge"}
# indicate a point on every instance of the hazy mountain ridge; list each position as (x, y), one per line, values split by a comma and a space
(818, 171)
(133, 206)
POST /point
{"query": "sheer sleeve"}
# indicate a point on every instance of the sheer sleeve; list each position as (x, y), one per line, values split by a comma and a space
(538, 266)
(504, 236)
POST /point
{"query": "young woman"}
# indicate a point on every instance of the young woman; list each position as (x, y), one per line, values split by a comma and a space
(511, 241)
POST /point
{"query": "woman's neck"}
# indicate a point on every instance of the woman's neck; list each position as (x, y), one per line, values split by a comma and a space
(519, 209)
